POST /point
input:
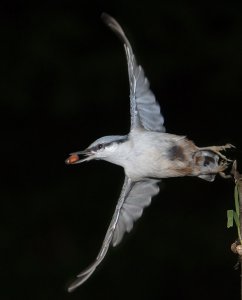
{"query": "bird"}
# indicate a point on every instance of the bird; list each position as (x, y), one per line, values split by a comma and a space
(147, 153)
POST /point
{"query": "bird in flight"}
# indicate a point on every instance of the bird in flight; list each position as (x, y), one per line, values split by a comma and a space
(147, 154)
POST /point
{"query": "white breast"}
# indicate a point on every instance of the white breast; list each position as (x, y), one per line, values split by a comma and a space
(147, 155)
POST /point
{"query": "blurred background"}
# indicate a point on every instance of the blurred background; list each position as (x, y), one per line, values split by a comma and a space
(64, 84)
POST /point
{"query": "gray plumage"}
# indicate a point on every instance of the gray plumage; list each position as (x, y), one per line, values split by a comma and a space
(147, 154)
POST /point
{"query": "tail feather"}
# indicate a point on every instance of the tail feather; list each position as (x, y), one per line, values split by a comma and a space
(208, 163)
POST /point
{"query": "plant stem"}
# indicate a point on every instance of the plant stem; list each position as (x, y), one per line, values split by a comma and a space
(238, 183)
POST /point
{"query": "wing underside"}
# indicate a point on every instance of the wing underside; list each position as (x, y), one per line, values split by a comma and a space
(135, 196)
(145, 110)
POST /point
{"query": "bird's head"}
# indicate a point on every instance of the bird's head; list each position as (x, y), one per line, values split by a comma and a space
(102, 148)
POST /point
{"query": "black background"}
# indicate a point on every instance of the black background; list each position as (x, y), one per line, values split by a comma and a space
(63, 85)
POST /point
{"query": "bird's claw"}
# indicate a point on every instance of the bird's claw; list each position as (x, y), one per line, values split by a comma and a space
(218, 149)
(227, 146)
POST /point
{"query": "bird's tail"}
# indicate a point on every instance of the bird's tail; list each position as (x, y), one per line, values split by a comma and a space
(208, 163)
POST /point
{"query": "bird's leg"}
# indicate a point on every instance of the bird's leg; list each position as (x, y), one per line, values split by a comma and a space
(217, 149)
(222, 166)
(223, 175)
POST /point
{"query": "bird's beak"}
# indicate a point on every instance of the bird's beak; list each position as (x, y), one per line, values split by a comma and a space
(74, 157)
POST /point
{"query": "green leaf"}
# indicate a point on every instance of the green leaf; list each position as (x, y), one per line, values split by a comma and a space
(236, 219)
(230, 217)
(236, 199)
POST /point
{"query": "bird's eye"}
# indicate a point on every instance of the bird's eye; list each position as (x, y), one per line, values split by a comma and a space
(100, 146)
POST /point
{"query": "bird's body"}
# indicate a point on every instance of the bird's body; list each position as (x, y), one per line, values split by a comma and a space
(147, 154)
(149, 161)
(167, 155)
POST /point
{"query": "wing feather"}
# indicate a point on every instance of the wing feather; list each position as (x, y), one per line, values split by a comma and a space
(145, 110)
(139, 197)
(84, 275)
(134, 197)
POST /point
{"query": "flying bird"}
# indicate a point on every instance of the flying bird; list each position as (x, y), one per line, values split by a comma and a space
(147, 154)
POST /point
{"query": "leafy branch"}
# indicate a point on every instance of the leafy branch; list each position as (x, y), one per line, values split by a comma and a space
(236, 216)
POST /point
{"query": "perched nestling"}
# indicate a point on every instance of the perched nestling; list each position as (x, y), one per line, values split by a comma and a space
(146, 153)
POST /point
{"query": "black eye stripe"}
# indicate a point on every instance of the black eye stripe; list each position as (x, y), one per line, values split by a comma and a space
(104, 145)
(98, 147)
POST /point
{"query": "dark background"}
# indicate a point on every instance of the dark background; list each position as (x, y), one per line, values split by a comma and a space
(64, 84)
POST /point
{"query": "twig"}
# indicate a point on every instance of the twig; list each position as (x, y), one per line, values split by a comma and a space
(238, 185)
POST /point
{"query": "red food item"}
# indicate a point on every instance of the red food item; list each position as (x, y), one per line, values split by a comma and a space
(72, 159)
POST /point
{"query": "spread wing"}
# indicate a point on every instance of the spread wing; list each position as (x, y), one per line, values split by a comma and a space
(134, 197)
(145, 111)
(138, 198)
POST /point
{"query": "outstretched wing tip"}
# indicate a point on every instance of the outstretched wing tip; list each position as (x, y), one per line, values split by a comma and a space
(81, 278)
(145, 110)
(105, 17)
